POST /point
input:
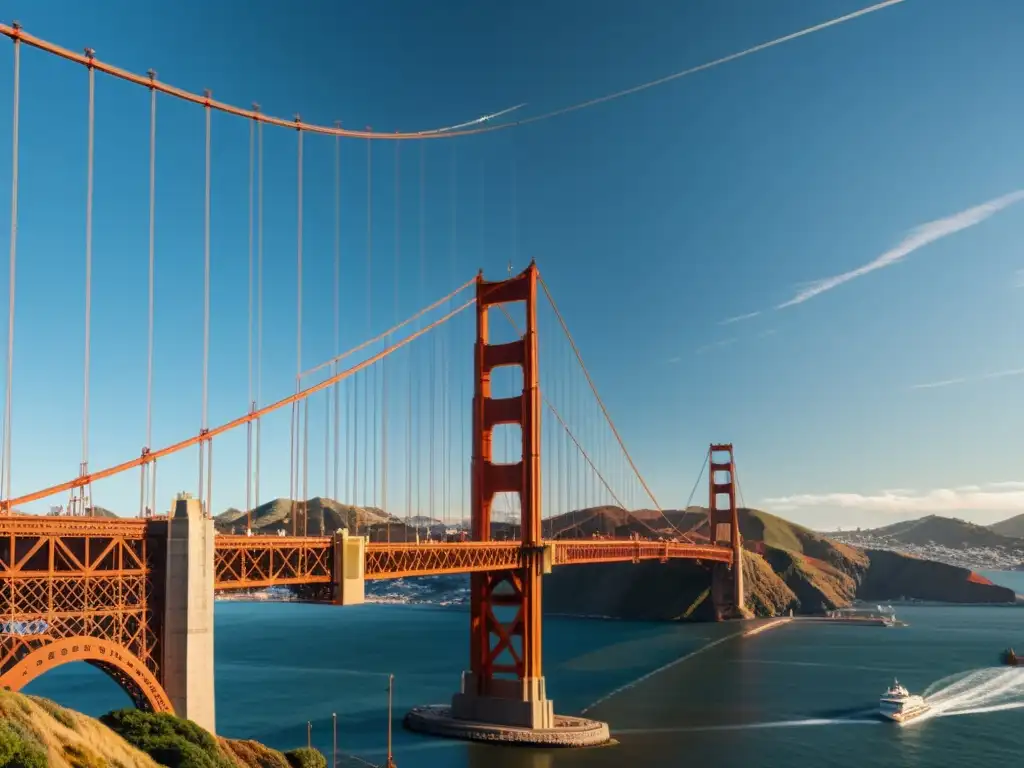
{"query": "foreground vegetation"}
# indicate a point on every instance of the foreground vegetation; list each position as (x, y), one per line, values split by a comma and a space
(36, 733)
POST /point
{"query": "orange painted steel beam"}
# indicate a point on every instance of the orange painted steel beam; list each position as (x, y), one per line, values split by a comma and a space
(395, 561)
(578, 552)
(69, 583)
(256, 562)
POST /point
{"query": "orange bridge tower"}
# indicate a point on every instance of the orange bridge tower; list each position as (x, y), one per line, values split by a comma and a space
(724, 530)
(503, 695)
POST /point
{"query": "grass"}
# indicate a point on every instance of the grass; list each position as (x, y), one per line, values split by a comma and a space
(38, 733)
(34, 733)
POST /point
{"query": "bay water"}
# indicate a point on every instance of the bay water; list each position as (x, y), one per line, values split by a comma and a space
(674, 694)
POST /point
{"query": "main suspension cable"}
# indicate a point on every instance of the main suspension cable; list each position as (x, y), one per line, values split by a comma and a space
(16, 33)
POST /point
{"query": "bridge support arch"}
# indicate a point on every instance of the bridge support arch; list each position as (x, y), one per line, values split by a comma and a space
(120, 664)
(724, 529)
(503, 696)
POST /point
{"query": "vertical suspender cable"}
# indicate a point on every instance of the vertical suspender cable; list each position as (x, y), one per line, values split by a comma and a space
(5, 470)
(369, 301)
(252, 402)
(423, 278)
(209, 476)
(397, 252)
(259, 306)
(305, 467)
(384, 375)
(327, 443)
(408, 406)
(446, 354)
(337, 300)
(371, 386)
(88, 277)
(298, 317)
(463, 405)
(152, 286)
(206, 308)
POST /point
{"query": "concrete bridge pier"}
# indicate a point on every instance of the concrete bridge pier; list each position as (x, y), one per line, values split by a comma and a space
(349, 568)
(187, 668)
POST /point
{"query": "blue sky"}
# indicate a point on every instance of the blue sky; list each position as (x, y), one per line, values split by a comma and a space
(654, 218)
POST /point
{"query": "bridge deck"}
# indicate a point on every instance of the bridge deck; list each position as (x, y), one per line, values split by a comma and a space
(249, 562)
(252, 562)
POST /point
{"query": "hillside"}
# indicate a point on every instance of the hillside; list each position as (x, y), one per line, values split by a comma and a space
(324, 517)
(797, 569)
(946, 532)
(36, 733)
(1012, 527)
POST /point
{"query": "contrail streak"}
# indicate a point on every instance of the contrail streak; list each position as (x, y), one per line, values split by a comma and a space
(699, 68)
(915, 239)
(478, 121)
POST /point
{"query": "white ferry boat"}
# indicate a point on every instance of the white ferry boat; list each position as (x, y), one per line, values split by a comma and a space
(898, 705)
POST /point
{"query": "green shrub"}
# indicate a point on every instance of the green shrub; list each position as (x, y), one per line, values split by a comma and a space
(305, 758)
(17, 751)
(169, 740)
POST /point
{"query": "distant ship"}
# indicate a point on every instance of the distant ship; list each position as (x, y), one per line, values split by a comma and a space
(1009, 658)
(898, 705)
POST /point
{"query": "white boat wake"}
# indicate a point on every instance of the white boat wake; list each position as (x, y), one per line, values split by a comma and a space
(977, 692)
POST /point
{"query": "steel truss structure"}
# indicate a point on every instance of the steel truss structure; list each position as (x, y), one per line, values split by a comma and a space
(82, 589)
(256, 562)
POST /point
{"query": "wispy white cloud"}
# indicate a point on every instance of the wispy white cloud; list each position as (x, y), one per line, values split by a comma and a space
(966, 379)
(768, 332)
(672, 360)
(715, 345)
(1001, 497)
(916, 238)
(739, 318)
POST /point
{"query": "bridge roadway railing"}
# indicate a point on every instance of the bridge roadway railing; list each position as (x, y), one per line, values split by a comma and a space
(254, 562)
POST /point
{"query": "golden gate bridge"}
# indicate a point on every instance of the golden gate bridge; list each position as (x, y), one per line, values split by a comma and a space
(134, 597)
